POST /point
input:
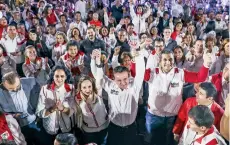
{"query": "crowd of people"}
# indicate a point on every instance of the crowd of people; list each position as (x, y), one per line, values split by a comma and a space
(114, 72)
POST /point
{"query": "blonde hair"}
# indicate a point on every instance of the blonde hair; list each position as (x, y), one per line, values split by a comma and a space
(61, 34)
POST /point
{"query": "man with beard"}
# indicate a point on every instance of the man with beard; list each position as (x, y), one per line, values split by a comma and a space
(219, 23)
(19, 98)
(89, 44)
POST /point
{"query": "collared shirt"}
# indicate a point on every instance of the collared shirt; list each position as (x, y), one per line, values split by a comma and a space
(18, 102)
(123, 104)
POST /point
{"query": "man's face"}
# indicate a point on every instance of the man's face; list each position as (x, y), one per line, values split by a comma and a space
(11, 30)
(193, 125)
(78, 17)
(91, 34)
(72, 51)
(226, 49)
(17, 16)
(13, 88)
(127, 20)
(212, 15)
(159, 46)
(201, 97)
(167, 62)
(63, 19)
(218, 17)
(166, 16)
(52, 30)
(122, 36)
(167, 33)
(35, 21)
(122, 80)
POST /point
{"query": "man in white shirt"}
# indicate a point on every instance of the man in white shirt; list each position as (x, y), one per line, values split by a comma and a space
(123, 96)
(79, 24)
(13, 43)
(165, 96)
(219, 23)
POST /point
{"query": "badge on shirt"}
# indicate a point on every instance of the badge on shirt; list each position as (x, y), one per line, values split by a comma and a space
(173, 85)
(114, 92)
(5, 135)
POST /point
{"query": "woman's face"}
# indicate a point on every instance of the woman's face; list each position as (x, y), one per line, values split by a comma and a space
(178, 54)
(150, 19)
(60, 39)
(139, 9)
(72, 51)
(154, 31)
(31, 54)
(3, 21)
(127, 62)
(33, 36)
(86, 88)
(226, 49)
(75, 32)
(59, 77)
(179, 27)
(104, 32)
(190, 28)
(210, 44)
(49, 10)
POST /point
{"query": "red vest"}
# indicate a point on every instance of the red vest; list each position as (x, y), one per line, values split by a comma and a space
(51, 19)
(5, 133)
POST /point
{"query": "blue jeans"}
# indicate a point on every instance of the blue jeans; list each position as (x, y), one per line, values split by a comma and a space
(159, 129)
(34, 135)
(100, 138)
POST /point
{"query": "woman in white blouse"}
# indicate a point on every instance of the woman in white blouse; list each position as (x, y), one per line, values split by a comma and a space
(95, 118)
(56, 102)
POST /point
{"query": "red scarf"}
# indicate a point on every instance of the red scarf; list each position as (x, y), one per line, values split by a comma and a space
(53, 86)
(28, 60)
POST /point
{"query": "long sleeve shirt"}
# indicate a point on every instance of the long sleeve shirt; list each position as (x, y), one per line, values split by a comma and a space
(123, 104)
(49, 95)
(167, 99)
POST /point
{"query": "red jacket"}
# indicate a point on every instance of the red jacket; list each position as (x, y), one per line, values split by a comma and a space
(183, 115)
(174, 35)
(217, 81)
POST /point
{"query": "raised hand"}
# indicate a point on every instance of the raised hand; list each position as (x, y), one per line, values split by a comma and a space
(117, 50)
(207, 59)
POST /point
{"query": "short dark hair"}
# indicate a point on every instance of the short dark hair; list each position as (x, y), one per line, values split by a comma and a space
(72, 43)
(10, 77)
(165, 13)
(130, 24)
(165, 51)
(159, 39)
(51, 25)
(120, 69)
(90, 27)
(66, 139)
(209, 88)
(202, 116)
(77, 12)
